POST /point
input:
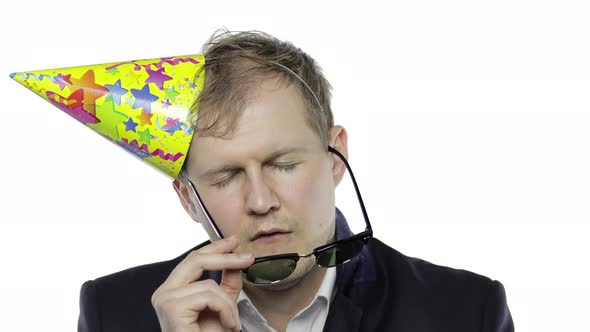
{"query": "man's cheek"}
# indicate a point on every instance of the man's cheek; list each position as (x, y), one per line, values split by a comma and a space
(227, 217)
(304, 193)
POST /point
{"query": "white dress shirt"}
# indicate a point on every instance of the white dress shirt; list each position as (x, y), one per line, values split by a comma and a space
(312, 318)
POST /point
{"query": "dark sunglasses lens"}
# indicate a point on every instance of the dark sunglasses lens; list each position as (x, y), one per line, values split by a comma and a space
(271, 271)
(340, 254)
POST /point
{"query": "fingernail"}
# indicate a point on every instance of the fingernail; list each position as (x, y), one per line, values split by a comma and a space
(245, 255)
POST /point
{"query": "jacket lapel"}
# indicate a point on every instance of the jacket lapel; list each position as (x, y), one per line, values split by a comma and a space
(344, 315)
(345, 311)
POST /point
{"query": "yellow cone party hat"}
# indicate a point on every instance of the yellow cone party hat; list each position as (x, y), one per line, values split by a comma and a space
(141, 105)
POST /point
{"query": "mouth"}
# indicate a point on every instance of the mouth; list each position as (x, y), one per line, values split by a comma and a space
(270, 235)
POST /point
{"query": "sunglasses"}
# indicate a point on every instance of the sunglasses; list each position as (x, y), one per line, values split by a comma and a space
(272, 269)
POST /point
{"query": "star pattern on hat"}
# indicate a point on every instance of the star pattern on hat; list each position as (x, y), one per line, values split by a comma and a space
(144, 98)
(157, 77)
(116, 91)
(166, 103)
(130, 125)
(112, 71)
(142, 105)
(92, 91)
(72, 105)
(144, 118)
(62, 80)
(144, 135)
(171, 93)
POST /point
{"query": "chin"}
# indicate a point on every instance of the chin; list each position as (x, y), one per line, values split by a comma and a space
(282, 285)
(304, 267)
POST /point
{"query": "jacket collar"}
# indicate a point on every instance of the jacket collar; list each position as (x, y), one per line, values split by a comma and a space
(360, 269)
(345, 314)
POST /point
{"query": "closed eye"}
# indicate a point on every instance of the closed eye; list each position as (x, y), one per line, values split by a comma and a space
(285, 168)
(282, 168)
(224, 182)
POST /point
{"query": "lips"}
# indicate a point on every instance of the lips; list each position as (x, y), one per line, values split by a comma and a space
(268, 233)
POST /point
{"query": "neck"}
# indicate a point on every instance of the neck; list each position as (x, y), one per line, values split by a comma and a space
(280, 306)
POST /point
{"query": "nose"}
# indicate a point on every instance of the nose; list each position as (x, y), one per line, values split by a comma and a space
(260, 198)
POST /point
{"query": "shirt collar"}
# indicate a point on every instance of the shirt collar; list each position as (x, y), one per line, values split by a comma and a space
(325, 294)
(326, 290)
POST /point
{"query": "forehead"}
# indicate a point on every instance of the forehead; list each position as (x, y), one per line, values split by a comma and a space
(274, 118)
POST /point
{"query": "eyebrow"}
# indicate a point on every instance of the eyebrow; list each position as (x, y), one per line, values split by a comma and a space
(272, 156)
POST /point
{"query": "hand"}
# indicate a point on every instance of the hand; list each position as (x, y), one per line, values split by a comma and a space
(183, 305)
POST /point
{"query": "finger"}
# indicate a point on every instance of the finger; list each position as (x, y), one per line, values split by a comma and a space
(231, 280)
(191, 306)
(192, 267)
(195, 289)
(220, 246)
(231, 284)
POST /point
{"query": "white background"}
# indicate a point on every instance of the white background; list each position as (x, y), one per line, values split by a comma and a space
(469, 132)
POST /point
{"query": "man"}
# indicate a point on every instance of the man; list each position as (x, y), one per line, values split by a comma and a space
(261, 172)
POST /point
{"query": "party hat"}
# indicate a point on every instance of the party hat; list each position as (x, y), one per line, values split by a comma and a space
(141, 105)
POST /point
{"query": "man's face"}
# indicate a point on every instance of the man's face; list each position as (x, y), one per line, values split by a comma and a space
(272, 175)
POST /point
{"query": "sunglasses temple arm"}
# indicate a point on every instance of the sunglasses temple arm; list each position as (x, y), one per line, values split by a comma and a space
(356, 187)
(207, 215)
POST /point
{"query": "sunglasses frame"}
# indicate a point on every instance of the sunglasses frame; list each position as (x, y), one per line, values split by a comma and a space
(363, 236)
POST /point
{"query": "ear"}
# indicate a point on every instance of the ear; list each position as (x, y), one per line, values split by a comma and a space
(183, 194)
(339, 141)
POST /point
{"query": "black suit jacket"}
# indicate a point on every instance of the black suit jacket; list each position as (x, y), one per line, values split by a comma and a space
(379, 290)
